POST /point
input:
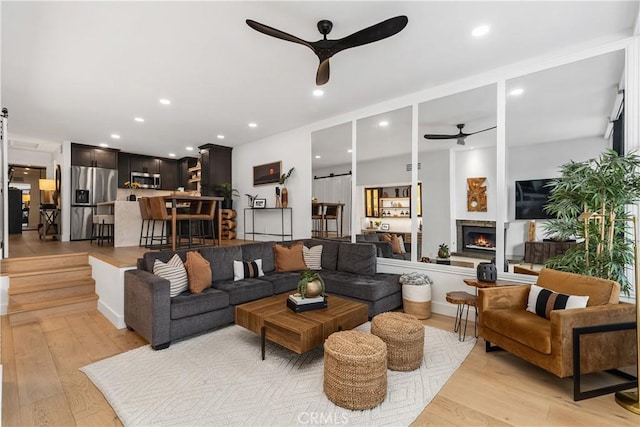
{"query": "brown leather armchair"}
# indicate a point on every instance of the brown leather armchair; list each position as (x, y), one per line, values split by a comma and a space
(548, 343)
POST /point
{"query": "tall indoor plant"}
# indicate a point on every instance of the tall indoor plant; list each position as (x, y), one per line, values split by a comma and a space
(228, 192)
(590, 203)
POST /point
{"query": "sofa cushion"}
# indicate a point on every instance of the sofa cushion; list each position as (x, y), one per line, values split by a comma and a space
(173, 271)
(282, 282)
(312, 257)
(247, 269)
(244, 290)
(221, 259)
(330, 250)
(261, 250)
(198, 272)
(368, 288)
(188, 304)
(541, 301)
(521, 326)
(289, 258)
(358, 258)
(600, 291)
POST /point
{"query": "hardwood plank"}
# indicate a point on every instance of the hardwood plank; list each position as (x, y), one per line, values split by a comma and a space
(36, 372)
(53, 324)
(92, 337)
(10, 399)
(125, 339)
(80, 305)
(450, 412)
(105, 418)
(69, 355)
(42, 262)
(52, 411)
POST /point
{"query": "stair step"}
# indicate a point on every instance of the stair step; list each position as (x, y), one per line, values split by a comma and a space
(63, 307)
(12, 266)
(43, 287)
(55, 294)
(34, 278)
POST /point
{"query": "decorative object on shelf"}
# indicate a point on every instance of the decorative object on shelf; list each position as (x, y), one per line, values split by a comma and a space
(532, 231)
(406, 192)
(285, 192)
(132, 186)
(225, 189)
(487, 272)
(589, 201)
(377, 223)
(476, 195)
(259, 203)
(278, 205)
(228, 224)
(384, 227)
(311, 284)
(269, 173)
(443, 251)
(250, 199)
(397, 192)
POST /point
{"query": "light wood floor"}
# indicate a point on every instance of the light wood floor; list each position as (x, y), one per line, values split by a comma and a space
(42, 384)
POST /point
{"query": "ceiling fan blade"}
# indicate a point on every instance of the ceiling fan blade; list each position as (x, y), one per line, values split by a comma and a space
(371, 34)
(273, 32)
(322, 76)
(483, 130)
(440, 136)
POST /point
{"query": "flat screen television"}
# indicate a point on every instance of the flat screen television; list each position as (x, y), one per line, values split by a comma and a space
(531, 196)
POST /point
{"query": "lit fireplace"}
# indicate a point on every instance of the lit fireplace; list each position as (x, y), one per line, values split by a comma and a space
(476, 238)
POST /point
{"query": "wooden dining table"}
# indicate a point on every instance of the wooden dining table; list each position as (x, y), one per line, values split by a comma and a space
(194, 203)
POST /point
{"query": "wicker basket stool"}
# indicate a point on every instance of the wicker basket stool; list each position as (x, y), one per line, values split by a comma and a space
(404, 336)
(355, 369)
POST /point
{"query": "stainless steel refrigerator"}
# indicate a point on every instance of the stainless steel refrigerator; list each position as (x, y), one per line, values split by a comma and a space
(89, 186)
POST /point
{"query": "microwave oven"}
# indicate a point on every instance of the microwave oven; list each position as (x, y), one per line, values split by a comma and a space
(146, 180)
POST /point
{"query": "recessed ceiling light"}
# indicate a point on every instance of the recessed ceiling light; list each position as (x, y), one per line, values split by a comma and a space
(317, 157)
(27, 169)
(115, 136)
(480, 31)
(104, 144)
(349, 150)
(318, 92)
(253, 125)
(189, 148)
(164, 101)
(383, 123)
(172, 154)
(516, 92)
(220, 136)
(26, 173)
(139, 119)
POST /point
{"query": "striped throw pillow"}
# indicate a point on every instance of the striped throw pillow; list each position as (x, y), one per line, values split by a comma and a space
(248, 269)
(313, 257)
(174, 272)
(542, 301)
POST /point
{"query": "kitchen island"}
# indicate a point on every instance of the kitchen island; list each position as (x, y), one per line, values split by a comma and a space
(127, 221)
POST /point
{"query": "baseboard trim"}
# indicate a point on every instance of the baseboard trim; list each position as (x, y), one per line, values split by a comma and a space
(111, 315)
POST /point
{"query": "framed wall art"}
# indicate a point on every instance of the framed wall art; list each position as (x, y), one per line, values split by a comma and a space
(268, 173)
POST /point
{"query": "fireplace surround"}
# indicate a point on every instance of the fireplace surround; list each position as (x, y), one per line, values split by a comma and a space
(476, 239)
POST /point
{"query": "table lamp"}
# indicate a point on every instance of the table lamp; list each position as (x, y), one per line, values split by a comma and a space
(26, 199)
(47, 190)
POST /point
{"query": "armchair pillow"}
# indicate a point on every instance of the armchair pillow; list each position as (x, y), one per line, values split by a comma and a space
(541, 301)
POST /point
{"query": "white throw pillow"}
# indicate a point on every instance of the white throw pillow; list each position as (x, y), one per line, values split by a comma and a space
(401, 242)
(541, 301)
(174, 272)
(313, 257)
(247, 269)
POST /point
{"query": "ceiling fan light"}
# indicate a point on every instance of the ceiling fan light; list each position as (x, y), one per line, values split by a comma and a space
(480, 31)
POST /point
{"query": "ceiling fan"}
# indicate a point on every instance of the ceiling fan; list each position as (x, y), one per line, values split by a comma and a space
(460, 136)
(326, 48)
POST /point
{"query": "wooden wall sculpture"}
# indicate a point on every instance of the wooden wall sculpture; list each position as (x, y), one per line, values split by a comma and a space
(476, 195)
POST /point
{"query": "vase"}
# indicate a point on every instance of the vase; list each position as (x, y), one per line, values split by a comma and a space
(132, 197)
(314, 288)
(284, 195)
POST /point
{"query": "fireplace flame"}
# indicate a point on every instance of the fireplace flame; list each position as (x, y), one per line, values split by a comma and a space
(482, 241)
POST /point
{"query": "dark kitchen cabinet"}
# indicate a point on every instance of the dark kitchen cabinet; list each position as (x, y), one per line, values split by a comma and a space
(184, 175)
(169, 179)
(124, 171)
(144, 164)
(216, 167)
(87, 155)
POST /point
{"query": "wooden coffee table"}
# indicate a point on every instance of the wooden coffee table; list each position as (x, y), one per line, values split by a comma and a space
(299, 332)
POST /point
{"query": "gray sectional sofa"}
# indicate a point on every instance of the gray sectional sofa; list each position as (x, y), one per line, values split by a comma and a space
(348, 269)
(384, 249)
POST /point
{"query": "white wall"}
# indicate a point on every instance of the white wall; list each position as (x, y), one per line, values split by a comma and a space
(293, 148)
(436, 201)
(475, 163)
(44, 159)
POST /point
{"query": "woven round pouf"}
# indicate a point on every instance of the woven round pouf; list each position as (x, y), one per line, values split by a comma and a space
(355, 369)
(404, 336)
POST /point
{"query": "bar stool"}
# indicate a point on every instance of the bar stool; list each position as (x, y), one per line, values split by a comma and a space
(102, 229)
(207, 212)
(316, 219)
(143, 203)
(462, 299)
(159, 212)
(331, 214)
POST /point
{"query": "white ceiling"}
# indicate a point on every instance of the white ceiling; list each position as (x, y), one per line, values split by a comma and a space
(81, 71)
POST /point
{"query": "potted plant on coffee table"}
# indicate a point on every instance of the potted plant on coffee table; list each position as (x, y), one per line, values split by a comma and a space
(311, 284)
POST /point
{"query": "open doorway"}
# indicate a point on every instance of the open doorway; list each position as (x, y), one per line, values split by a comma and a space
(25, 207)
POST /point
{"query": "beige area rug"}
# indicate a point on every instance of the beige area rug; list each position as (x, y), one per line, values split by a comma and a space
(219, 379)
